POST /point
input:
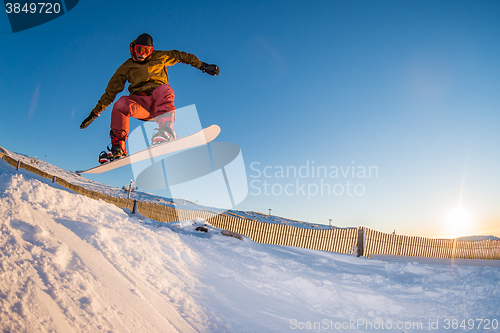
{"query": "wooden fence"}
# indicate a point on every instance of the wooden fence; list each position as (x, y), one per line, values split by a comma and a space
(120, 202)
(360, 241)
(334, 240)
(376, 242)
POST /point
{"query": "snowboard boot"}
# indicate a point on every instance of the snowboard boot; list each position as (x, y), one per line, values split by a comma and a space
(165, 129)
(118, 149)
(113, 153)
(164, 134)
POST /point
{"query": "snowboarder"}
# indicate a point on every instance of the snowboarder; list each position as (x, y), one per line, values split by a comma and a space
(151, 97)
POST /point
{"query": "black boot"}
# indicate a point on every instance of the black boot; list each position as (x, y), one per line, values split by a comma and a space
(117, 150)
(113, 153)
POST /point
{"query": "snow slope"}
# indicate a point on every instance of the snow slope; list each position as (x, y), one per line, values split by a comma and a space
(72, 264)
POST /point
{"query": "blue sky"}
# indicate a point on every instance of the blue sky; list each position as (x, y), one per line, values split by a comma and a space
(408, 87)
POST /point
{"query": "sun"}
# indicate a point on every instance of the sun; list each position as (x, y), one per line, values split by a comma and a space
(459, 222)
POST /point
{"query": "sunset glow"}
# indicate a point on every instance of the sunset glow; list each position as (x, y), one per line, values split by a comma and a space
(459, 222)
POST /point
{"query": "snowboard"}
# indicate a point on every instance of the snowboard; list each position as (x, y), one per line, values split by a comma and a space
(199, 138)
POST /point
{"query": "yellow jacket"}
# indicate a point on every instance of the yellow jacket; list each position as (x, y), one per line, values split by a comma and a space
(143, 77)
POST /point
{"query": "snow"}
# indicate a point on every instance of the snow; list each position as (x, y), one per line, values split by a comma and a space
(72, 264)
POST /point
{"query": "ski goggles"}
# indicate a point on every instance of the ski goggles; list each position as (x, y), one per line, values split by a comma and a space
(142, 49)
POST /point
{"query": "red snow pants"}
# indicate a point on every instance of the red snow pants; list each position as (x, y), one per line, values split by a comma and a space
(143, 108)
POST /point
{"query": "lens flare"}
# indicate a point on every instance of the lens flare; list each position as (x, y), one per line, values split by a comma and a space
(459, 222)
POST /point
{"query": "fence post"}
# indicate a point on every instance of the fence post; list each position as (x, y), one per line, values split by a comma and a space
(361, 238)
(130, 188)
(134, 209)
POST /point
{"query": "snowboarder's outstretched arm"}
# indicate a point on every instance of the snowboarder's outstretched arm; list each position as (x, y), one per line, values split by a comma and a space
(175, 56)
(115, 86)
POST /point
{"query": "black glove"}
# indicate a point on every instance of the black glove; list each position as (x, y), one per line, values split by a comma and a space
(210, 69)
(89, 120)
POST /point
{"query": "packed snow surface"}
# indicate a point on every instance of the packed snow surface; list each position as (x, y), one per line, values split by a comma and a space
(72, 264)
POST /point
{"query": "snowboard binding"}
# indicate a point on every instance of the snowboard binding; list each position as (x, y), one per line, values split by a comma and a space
(113, 153)
(165, 134)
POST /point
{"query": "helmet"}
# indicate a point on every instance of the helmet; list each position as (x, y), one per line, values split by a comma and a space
(144, 39)
(142, 46)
